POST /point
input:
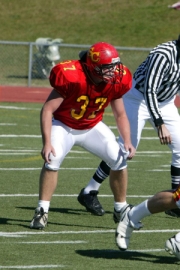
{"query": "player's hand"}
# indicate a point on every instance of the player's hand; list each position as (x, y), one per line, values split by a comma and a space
(46, 151)
(164, 135)
(130, 148)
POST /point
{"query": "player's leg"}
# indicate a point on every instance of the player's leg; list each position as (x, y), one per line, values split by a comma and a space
(99, 146)
(106, 147)
(118, 183)
(174, 128)
(99, 176)
(88, 195)
(138, 114)
(160, 202)
(131, 216)
(49, 174)
(172, 122)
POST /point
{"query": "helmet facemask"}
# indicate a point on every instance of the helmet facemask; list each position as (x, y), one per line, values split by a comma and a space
(111, 73)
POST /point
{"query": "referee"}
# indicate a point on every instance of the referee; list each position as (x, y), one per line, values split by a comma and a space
(155, 85)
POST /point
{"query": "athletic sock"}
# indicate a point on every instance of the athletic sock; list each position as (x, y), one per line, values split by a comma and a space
(139, 211)
(178, 237)
(45, 205)
(92, 185)
(102, 172)
(118, 206)
(175, 177)
(99, 176)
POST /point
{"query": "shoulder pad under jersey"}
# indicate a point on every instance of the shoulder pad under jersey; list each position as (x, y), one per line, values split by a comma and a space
(70, 70)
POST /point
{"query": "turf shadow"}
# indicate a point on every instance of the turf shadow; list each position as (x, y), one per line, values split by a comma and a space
(63, 210)
(127, 255)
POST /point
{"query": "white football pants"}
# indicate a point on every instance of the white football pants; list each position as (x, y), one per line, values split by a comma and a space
(138, 114)
(99, 140)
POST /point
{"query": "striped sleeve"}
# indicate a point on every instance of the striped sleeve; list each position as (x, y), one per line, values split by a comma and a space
(157, 68)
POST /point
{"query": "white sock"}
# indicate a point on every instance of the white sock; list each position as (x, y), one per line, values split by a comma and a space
(178, 237)
(45, 205)
(92, 185)
(139, 211)
(118, 206)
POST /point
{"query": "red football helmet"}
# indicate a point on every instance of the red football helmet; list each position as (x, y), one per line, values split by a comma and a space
(103, 61)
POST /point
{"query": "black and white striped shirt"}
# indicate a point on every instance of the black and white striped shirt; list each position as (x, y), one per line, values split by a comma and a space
(158, 77)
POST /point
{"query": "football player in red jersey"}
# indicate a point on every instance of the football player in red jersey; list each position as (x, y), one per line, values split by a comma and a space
(72, 115)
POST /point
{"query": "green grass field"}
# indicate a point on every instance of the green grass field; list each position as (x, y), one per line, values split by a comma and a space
(140, 23)
(75, 239)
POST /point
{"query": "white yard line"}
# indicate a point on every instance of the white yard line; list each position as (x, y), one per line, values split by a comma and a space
(39, 136)
(38, 150)
(32, 266)
(32, 169)
(70, 195)
(50, 242)
(81, 152)
(41, 232)
(19, 136)
(7, 124)
(72, 169)
(19, 108)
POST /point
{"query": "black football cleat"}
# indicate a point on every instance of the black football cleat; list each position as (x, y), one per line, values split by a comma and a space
(90, 202)
(173, 213)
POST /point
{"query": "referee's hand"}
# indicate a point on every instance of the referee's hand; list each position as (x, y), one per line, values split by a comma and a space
(164, 135)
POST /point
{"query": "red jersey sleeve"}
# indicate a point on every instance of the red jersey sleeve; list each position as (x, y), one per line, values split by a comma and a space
(61, 76)
(58, 81)
(126, 82)
(124, 85)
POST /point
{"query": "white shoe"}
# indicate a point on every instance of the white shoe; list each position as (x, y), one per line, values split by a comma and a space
(40, 219)
(116, 216)
(125, 228)
(173, 246)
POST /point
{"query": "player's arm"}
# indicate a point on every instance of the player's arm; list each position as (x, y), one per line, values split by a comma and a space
(52, 103)
(123, 126)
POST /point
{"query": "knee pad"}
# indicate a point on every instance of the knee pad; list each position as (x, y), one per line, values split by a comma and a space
(50, 167)
(117, 157)
(54, 164)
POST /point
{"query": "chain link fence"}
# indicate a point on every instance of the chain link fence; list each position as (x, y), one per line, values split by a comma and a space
(27, 64)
